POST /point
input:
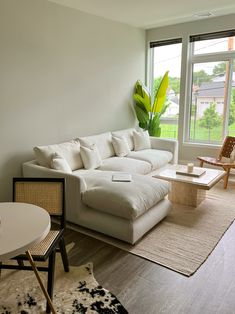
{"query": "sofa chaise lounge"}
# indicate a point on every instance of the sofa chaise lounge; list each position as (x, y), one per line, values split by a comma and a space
(124, 210)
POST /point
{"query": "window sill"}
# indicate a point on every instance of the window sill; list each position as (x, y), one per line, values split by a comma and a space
(202, 145)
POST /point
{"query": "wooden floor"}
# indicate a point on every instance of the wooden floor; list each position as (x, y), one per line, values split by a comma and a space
(144, 287)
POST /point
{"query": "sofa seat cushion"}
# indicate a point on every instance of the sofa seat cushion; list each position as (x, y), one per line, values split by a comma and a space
(128, 200)
(125, 165)
(157, 158)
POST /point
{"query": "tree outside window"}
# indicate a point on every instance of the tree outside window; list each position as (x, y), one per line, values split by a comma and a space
(210, 119)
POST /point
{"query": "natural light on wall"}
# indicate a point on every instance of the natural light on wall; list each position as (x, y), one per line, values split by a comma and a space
(166, 56)
(212, 104)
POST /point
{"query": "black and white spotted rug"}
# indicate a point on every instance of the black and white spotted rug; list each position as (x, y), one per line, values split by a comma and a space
(74, 292)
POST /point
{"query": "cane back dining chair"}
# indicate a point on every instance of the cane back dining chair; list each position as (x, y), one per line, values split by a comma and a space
(47, 193)
(225, 151)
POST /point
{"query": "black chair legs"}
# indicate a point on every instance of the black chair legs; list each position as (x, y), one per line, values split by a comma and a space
(64, 255)
(50, 280)
(51, 270)
(20, 262)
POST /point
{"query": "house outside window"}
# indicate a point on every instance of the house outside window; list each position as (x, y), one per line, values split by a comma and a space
(166, 56)
(211, 115)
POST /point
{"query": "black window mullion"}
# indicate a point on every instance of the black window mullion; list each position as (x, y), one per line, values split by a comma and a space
(154, 44)
(222, 34)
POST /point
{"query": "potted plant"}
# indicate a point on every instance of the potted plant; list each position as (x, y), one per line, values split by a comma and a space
(149, 112)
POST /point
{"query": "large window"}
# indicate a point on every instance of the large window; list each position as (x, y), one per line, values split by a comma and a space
(166, 56)
(212, 99)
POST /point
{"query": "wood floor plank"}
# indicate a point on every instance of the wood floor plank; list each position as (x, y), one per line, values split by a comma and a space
(145, 287)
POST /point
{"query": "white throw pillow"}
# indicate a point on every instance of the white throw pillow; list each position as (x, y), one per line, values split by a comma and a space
(58, 162)
(128, 134)
(120, 146)
(103, 142)
(141, 140)
(69, 150)
(90, 157)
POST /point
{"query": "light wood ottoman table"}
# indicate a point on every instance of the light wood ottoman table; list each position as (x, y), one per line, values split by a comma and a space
(188, 190)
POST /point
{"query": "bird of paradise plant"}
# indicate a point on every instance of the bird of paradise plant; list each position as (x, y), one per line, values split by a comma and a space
(149, 112)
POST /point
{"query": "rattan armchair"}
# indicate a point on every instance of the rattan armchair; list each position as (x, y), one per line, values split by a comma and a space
(225, 151)
(47, 193)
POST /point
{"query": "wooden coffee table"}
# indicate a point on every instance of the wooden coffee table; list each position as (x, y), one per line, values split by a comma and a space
(188, 190)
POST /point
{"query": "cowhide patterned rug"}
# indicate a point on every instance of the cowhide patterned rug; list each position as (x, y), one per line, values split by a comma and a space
(74, 292)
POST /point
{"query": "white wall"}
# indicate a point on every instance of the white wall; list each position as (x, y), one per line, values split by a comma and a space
(63, 74)
(186, 151)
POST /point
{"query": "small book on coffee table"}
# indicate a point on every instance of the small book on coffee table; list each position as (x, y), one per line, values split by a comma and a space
(121, 177)
(197, 172)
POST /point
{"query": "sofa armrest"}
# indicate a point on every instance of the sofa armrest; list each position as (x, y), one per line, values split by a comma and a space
(166, 144)
(32, 169)
(75, 184)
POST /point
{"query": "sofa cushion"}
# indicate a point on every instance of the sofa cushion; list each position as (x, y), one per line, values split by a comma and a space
(58, 162)
(157, 158)
(103, 142)
(128, 200)
(120, 146)
(125, 165)
(128, 134)
(91, 157)
(69, 150)
(141, 140)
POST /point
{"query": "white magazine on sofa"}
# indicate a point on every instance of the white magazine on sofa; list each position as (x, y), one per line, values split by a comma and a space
(121, 177)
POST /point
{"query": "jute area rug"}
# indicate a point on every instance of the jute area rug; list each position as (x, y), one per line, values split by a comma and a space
(74, 292)
(187, 236)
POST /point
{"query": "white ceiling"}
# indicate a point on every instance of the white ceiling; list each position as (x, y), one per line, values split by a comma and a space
(151, 13)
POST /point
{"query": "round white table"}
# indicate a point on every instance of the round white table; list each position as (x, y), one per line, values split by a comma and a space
(21, 226)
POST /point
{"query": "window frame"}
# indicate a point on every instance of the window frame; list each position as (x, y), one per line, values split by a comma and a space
(227, 56)
(150, 70)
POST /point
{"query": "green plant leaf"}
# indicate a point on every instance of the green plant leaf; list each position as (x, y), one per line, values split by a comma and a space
(154, 125)
(156, 119)
(158, 132)
(143, 125)
(142, 116)
(154, 128)
(139, 89)
(143, 102)
(161, 94)
(143, 95)
(151, 128)
(165, 106)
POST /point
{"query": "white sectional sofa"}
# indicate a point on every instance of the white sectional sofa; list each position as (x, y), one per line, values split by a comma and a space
(124, 210)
